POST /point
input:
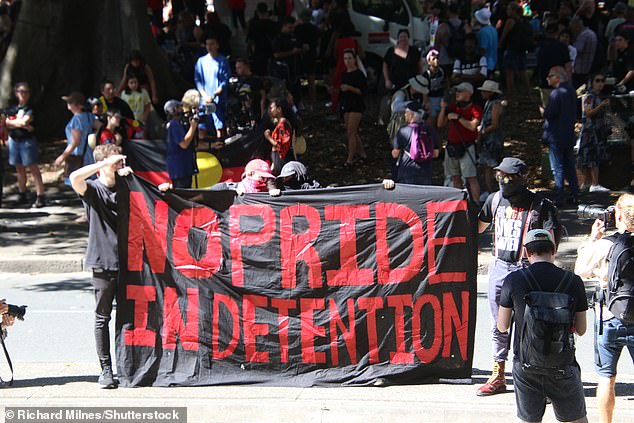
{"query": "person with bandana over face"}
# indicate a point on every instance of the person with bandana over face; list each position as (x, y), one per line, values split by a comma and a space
(513, 210)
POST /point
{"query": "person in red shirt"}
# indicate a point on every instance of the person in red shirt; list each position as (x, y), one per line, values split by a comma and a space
(109, 134)
(463, 118)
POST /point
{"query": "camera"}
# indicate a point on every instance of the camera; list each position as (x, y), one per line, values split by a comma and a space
(450, 96)
(199, 112)
(17, 311)
(607, 215)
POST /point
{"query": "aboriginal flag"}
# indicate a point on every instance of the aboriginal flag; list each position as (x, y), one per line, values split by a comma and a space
(147, 157)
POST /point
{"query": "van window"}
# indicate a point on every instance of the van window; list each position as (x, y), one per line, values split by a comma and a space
(389, 10)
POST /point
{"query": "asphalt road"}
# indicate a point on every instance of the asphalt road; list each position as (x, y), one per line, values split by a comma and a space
(56, 365)
(58, 324)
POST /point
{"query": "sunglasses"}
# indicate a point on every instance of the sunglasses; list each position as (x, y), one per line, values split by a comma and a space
(504, 178)
(599, 80)
(22, 91)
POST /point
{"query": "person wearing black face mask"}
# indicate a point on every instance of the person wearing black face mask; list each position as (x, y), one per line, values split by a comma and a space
(513, 211)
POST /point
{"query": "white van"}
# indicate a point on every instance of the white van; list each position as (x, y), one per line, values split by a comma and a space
(379, 21)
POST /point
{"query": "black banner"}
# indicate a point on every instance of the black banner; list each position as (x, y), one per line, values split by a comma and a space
(147, 157)
(341, 285)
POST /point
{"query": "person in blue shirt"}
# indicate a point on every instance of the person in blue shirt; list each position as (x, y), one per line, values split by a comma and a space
(559, 132)
(77, 131)
(211, 76)
(487, 40)
(180, 157)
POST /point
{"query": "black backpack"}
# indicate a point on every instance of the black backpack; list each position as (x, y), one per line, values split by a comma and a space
(547, 344)
(619, 296)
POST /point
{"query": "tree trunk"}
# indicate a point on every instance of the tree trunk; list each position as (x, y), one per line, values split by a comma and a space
(61, 46)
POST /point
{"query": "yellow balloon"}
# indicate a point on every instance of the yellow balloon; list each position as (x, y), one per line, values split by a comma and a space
(209, 169)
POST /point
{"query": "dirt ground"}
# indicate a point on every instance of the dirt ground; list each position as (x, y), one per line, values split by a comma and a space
(326, 152)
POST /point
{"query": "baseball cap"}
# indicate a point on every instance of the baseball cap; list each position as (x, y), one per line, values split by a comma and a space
(512, 166)
(74, 98)
(259, 167)
(464, 86)
(171, 105)
(538, 235)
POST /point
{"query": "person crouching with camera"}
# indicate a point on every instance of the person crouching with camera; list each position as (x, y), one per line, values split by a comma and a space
(180, 144)
(7, 319)
(463, 118)
(611, 260)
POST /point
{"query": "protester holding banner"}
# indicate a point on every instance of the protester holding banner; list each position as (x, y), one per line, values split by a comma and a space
(180, 154)
(99, 198)
(257, 177)
(512, 210)
(294, 176)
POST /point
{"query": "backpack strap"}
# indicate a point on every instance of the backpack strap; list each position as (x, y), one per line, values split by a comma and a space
(565, 282)
(532, 282)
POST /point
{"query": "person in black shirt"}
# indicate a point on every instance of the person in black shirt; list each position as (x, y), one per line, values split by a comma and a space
(261, 32)
(307, 36)
(110, 101)
(99, 198)
(623, 67)
(23, 147)
(287, 54)
(565, 391)
(353, 87)
(401, 62)
(251, 95)
(513, 211)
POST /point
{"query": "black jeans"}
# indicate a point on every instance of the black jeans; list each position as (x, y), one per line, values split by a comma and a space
(105, 287)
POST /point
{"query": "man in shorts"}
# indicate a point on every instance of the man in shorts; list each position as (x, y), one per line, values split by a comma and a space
(463, 118)
(23, 148)
(532, 387)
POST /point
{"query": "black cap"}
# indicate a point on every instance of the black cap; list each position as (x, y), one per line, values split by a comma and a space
(414, 106)
(512, 166)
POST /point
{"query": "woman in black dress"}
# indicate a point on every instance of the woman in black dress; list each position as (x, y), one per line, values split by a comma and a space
(353, 87)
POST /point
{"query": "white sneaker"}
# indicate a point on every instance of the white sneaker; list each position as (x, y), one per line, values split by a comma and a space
(598, 188)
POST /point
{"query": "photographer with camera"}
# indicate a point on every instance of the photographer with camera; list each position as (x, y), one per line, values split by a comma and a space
(463, 118)
(611, 260)
(7, 319)
(180, 157)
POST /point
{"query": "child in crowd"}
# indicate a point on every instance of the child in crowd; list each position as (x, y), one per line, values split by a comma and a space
(138, 99)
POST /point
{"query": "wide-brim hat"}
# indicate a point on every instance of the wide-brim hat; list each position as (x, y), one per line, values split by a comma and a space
(418, 84)
(483, 16)
(490, 86)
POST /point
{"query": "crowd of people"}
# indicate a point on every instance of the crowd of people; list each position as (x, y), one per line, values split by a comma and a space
(447, 98)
